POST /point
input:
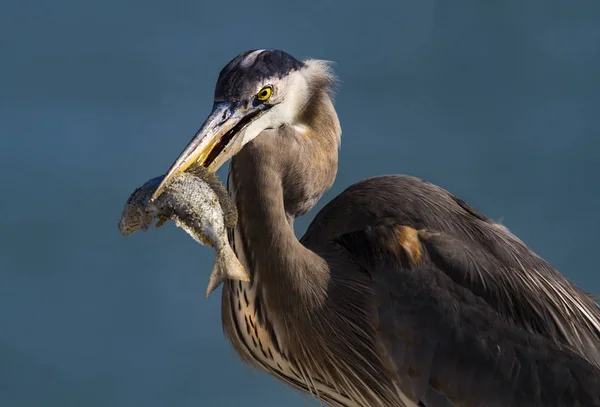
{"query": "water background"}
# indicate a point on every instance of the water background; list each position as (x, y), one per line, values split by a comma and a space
(497, 102)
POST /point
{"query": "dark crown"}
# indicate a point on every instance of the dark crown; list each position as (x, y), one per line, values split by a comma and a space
(239, 77)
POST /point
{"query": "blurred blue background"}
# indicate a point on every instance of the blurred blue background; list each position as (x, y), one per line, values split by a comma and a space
(497, 102)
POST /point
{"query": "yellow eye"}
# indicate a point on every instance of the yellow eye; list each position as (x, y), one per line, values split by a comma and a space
(264, 94)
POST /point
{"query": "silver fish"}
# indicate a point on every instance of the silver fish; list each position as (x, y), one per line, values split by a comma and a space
(199, 204)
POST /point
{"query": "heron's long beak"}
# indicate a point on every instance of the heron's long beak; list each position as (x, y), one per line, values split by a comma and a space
(217, 140)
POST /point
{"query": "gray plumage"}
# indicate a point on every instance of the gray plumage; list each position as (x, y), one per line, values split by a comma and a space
(238, 79)
(399, 293)
(199, 204)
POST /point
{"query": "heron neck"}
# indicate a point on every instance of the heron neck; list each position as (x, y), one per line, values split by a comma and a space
(264, 237)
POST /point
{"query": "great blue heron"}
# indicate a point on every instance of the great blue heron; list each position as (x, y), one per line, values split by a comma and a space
(399, 293)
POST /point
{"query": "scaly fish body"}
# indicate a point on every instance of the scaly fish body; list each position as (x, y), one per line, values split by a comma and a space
(199, 204)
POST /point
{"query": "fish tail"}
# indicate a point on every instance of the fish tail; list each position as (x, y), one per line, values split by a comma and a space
(235, 270)
(227, 266)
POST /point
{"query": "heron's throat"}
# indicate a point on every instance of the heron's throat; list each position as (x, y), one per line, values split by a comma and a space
(264, 239)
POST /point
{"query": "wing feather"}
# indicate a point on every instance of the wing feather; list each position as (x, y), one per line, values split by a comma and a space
(467, 314)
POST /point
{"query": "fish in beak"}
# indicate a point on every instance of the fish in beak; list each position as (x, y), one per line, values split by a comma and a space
(219, 139)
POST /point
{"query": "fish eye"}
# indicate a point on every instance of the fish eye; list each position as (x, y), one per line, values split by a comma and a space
(264, 94)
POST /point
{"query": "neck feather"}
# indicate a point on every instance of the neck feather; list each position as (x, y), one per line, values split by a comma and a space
(264, 238)
(280, 175)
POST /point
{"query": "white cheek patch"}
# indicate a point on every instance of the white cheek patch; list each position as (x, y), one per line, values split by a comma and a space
(256, 127)
(294, 97)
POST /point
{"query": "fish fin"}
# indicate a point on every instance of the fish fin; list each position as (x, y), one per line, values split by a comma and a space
(161, 221)
(226, 266)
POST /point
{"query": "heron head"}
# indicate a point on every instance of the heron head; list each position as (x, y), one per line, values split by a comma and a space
(256, 91)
